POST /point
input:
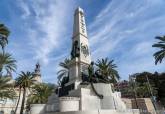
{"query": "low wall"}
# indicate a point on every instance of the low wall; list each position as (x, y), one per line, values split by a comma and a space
(37, 109)
(144, 104)
(99, 112)
(69, 104)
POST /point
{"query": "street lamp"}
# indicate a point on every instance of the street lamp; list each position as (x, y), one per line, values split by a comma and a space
(133, 84)
(150, 90)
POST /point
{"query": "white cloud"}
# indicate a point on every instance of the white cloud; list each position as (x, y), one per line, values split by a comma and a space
(25, 9)
(50, 20)
(46, 35)
(126, 30)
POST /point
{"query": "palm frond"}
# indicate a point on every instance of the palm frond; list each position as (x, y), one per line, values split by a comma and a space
(4, 30)
(4, 33)
(159, 55)
(7, 62)
(65, 63)
(161, 38)
(40, 93)
(25, 79)
(107, 69)
(6, 88)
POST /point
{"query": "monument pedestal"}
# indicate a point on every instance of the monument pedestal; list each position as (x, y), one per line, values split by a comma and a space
(84, 101)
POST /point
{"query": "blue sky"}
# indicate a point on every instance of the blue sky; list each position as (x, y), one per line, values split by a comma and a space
(122, 30)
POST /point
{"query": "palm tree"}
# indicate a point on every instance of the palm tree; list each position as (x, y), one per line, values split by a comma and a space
(107, 69)
(6, 88)
(159, 55)
(7, 63)
(40, 94)
(25, 81)
(63, 72)
(4, 33)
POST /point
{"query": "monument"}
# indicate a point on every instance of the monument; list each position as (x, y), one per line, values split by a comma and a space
(80, 94)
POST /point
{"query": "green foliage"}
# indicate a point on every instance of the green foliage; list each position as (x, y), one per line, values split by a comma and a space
(142, 90)
(65, 63)
(143, 86)
(40, 94)
(156, 85)
(25, 80)
(107, 69)
(159, 55)
(7, 62)
(63, 73)
(4, 33)
(4, 30)
(161, 93)
(6, 88)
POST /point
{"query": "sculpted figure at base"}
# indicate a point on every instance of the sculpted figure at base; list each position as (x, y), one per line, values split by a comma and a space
(94, 75)
(93, 79)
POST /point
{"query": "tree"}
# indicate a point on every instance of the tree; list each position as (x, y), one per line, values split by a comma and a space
(63, 73)
(24, 81)
(40, 94)
(6, 88)
(108, 70)
(159, 55)
(7, 63)
(142, 90)
(4, 33)
(161, 93)
(145, 84)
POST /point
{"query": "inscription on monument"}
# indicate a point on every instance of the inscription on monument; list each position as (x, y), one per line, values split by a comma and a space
(82, 22)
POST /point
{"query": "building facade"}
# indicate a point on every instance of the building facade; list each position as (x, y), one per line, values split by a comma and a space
(7, 106)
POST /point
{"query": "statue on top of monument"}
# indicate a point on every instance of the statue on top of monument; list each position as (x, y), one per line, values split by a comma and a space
(75, 50)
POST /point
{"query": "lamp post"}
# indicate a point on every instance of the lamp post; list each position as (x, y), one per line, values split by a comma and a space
(150, 90)
(133, 84)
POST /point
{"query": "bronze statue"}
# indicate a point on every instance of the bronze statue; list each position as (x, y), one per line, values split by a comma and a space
(75, 50)
(93, 79)
(91, 71)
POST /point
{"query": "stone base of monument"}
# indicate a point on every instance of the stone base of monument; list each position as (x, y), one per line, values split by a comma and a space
(83, 100)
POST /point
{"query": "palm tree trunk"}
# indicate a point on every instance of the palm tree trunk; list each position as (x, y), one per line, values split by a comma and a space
(1, 72)
(18, 101)
(23, 100)
(3, 50)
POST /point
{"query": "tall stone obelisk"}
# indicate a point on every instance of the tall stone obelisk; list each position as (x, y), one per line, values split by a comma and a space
(80, 54)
